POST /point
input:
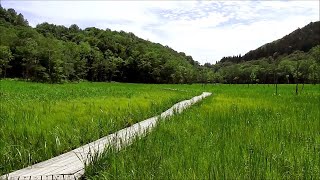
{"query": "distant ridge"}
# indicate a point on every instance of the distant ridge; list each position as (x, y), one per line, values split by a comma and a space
(301, 39)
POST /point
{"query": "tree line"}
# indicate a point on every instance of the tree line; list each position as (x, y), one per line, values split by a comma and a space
(299, 40)
(297, 67)
(53, 53)
(291, 59)
(56, 54)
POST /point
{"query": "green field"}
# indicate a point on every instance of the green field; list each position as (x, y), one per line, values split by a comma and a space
(240, 132)
(40, 121)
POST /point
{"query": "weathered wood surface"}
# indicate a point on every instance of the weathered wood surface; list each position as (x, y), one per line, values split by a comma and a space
(71, 164)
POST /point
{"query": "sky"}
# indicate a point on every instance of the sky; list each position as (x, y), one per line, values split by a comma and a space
(206, 30)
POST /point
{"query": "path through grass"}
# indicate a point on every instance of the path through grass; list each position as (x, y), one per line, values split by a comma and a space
(40, 121)
(238, 133)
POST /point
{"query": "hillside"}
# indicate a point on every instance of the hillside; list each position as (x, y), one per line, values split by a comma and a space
(297, 67)
(295, 58)
(299, 40)
(55, 53)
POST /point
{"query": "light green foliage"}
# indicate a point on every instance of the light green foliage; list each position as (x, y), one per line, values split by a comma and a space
(315, 53)
(297, 67)
(239, 132)
(40, 121)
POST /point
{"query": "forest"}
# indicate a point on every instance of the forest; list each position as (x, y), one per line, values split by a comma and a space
(56, 54)
(291, 59)
(297, 67)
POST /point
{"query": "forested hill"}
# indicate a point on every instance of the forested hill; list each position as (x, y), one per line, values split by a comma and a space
(54, 53)
(299, 40)
(294, 58)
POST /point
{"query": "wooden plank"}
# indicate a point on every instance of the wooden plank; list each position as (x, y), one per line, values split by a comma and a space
(71, 164)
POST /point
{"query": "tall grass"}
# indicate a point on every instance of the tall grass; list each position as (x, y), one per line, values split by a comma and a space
(238, 133)
(40, 121)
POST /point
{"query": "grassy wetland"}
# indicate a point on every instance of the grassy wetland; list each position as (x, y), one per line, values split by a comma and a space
(40, 121)
(62, 87)
(239, 132)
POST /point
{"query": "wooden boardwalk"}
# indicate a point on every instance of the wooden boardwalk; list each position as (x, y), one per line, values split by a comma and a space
(71, 164)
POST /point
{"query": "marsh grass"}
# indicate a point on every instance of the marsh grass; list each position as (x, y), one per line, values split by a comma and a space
(40, 121)
(238, 133)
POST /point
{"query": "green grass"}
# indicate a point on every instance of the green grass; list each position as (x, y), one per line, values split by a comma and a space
(238, 133)
(40, 121)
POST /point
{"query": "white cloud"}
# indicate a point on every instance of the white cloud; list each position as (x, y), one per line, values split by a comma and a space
(207, 30)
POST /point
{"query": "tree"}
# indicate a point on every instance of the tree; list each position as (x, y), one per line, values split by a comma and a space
(253, 76)
(74, 28)
(275, 69)
(5, 58)
(113, 65)
(286, 67)
(298, 57)
(315, 53)
(11, 15)
(314, 64)
(98, 65)
(28, 52)
(314, 74)
(56, 64)
(297, 74)
(20, 21)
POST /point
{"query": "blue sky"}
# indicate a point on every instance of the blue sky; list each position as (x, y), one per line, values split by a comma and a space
(206, 30)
